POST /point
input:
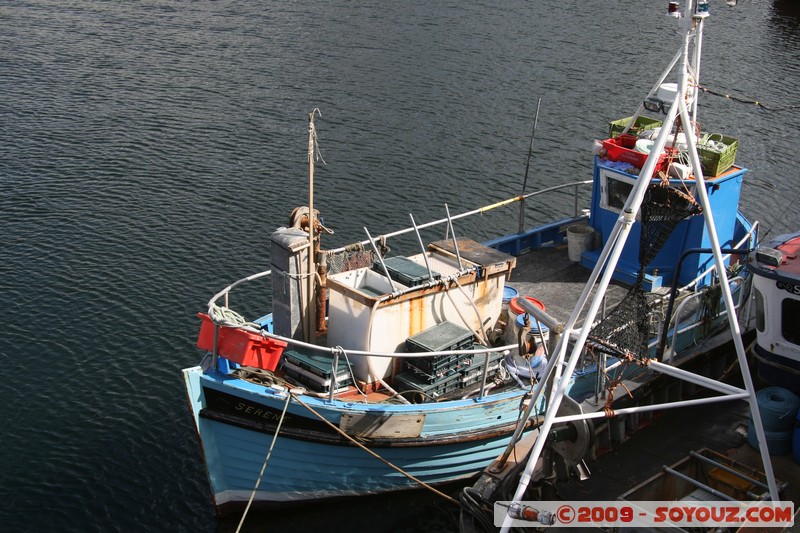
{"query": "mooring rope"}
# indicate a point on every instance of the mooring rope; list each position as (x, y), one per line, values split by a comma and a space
(375, 455)
(266, 460)
(750, 101)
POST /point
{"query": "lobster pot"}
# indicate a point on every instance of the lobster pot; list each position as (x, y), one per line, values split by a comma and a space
(612, 188)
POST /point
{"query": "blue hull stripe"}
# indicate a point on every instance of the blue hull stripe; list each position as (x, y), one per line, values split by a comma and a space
(309, 468)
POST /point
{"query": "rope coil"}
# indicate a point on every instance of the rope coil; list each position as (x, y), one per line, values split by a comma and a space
(778, 407)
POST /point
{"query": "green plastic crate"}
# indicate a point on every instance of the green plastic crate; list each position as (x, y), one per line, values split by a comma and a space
(642, 123)
(713, 160)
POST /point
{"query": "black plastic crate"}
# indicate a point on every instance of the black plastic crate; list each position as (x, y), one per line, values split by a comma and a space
(404, 270)
(439, 365)
(475, 368)
(314, 381)
(320, 364)
(417, 382)
(474, 376)
(432, 376)
(412, 382)
(443, 337)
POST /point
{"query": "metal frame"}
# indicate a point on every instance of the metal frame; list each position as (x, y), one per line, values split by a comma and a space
(560, 368)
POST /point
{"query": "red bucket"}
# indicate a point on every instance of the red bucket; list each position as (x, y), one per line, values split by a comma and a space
(514, 307)
(621, 149)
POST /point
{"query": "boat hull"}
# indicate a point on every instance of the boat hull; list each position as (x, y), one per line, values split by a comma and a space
(311, 461)
(776, 294)
(777, 370)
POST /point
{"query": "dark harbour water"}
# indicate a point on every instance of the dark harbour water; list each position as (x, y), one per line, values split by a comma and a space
(148, 148)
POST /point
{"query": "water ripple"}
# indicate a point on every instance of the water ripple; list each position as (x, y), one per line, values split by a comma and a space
(150, 148)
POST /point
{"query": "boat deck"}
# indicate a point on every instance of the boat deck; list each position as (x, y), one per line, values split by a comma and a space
(548, 275)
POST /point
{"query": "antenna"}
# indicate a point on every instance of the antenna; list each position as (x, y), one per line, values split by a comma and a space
(527, 166)
(422, 246)
(380, 258)
(453, 233)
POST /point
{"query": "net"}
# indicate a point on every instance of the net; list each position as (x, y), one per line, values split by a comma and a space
(627, 329)
(355, 256)
(349, 259)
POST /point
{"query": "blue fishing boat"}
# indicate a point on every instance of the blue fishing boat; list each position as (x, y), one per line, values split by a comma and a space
(374, 373)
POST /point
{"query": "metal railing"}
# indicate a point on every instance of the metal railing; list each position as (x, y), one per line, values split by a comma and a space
(576, 185)
(676, 330)
(336, 352)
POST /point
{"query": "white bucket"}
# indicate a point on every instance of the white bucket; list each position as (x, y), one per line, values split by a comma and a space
(514, 312)
(667, 92)
(545, 335)
(521, 367)
(644, 146)
(579, 239)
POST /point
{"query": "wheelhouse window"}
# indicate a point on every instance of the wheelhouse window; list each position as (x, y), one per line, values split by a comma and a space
(615, 190)
(759, 301)
(790, 320)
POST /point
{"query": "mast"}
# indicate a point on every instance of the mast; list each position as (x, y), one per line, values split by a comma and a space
(310, 336)
(699, 19)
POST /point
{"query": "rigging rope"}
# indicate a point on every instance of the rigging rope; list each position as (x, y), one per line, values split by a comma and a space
(381, 459)
(266, 460)
(748, 101)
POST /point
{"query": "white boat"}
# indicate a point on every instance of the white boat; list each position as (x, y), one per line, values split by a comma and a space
(776, 292)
